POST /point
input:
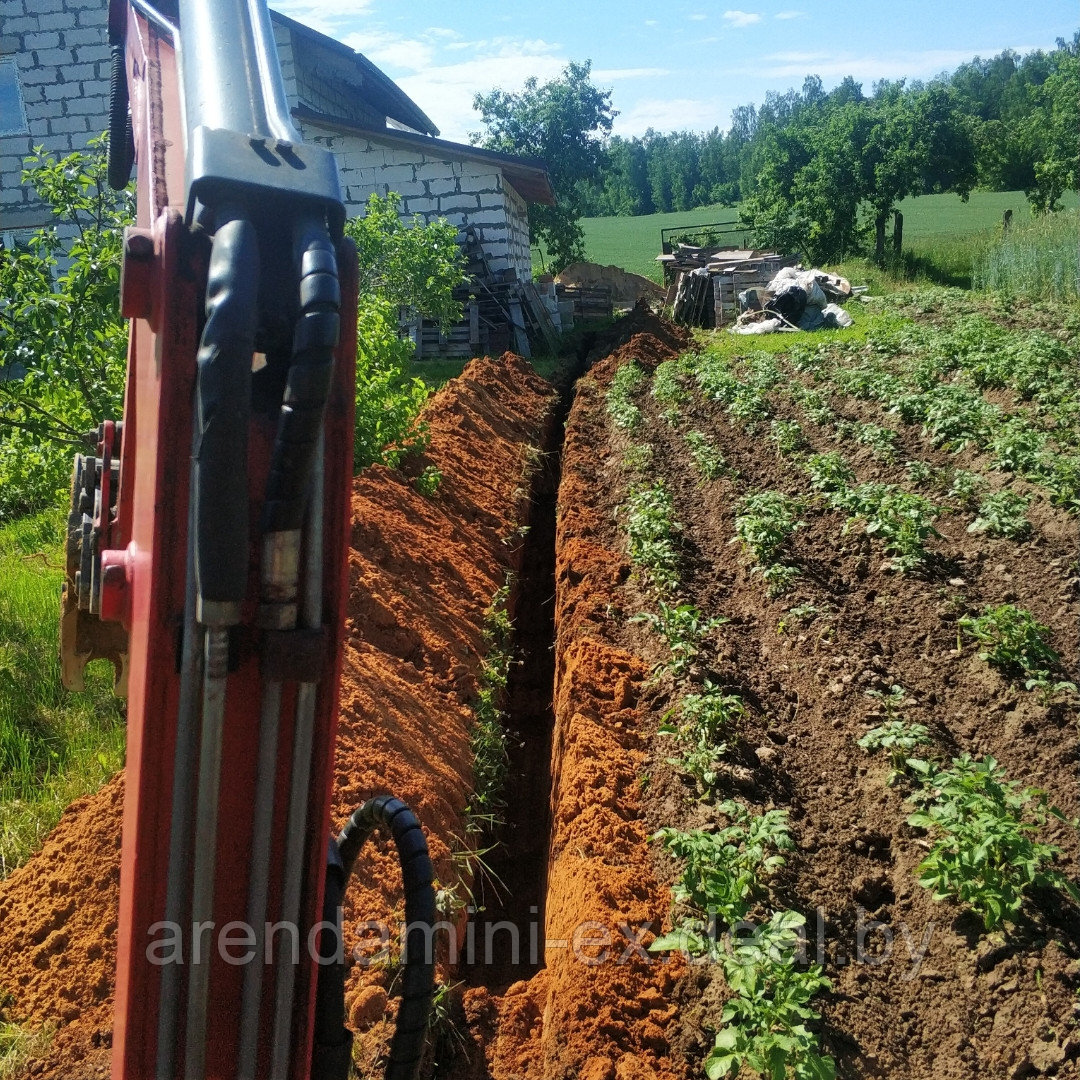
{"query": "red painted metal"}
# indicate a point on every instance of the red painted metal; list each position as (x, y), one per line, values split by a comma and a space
(144, 587)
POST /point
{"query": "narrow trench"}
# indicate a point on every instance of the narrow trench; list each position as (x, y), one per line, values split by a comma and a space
(507, 924)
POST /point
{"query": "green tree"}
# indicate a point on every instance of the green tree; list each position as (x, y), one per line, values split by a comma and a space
(1057, 123)
(562, 122)
(918, 144)
(62, 342)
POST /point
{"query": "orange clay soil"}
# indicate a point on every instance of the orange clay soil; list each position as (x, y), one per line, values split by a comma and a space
(423, 571)
(600, 1010)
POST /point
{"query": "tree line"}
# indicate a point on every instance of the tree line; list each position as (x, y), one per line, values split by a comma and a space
(815, 171)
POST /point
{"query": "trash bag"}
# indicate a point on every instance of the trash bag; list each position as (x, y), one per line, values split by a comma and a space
(835, 316)
(789, 302)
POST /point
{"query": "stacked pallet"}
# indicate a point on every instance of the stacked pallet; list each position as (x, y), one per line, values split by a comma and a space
(590, 303)
(733, 276)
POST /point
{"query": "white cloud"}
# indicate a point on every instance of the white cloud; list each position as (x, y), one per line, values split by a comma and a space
(445, 92)
(698, 17)
(326, 16)
(790, 15)
(866, 68)
(392, 50)
(742, 18)
(605, 75)
(673, 114)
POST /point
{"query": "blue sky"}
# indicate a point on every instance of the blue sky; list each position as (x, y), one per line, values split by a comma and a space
(676, 65)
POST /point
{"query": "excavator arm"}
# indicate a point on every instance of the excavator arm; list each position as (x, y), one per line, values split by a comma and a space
(207, 557)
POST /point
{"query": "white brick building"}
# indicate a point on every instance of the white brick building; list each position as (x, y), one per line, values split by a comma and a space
(54, 92)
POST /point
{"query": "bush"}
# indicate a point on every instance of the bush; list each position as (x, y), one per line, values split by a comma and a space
(62, 342)
(414, 266)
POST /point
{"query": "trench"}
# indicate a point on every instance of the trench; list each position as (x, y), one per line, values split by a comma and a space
(507, 922)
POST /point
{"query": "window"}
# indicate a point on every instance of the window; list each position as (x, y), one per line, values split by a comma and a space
(12, 112)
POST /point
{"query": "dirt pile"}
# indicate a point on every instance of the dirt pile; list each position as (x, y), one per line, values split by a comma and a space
(58, 932)
(422, 572)
(625, 287)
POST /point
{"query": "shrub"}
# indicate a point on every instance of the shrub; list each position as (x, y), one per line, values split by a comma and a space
(63, 344)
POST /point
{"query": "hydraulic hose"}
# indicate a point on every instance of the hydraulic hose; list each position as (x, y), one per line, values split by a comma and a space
(121, 137)
(407, 1046)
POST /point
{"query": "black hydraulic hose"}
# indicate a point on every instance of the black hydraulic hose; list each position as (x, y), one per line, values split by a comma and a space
(407, 1046)
(311, 370)
(223, 404)
(331, 1054)
(121, 138)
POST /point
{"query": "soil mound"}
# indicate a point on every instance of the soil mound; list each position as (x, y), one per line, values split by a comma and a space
(660, 339)
(625, 287)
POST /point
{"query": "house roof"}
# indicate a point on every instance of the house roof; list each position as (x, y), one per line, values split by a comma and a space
(378, 89)
(528, 176)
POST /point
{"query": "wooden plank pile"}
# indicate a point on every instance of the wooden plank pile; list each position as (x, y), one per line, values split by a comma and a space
(704, 283)
(590, 303)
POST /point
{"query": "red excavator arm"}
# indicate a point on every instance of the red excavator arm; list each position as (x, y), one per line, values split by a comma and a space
(207, 557)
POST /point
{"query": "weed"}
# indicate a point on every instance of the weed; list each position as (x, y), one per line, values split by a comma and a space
(707, 458)
(900, 740)
(427, 483)
(20, 1045)
(801, 613)
(488, 739)
(983, 852)
(1016, 644)
(626, 382)
(1003, 514)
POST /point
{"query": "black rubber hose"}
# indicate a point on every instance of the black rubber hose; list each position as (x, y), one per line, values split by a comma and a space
(331, 1053)
(121, 138)
(311, 371)
(223, 404)
(410, 1034)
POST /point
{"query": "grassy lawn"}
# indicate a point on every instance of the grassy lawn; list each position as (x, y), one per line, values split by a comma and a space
(934, 225)
(54, 746)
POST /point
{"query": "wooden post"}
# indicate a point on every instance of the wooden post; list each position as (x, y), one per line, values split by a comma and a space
(898, 232)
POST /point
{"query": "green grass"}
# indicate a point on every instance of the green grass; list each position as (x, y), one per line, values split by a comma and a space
(941, 233)
(1038, 258)
(54, 746)
(634, 242)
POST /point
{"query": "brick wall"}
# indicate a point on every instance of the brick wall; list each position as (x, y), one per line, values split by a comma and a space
(435, 186)
(61, 52)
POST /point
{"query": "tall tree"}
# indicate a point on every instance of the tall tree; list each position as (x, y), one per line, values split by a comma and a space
(563, 122)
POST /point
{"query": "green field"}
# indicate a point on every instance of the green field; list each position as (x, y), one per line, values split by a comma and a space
(931, 222)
